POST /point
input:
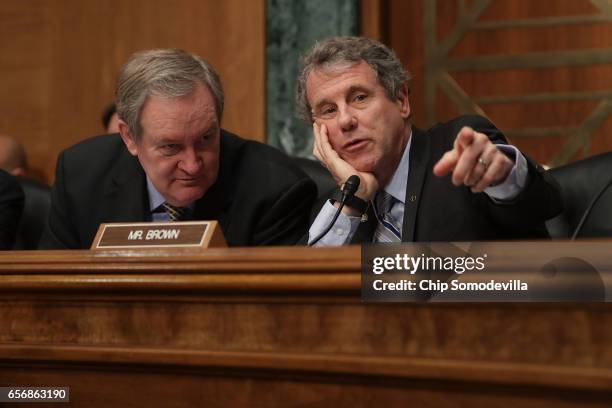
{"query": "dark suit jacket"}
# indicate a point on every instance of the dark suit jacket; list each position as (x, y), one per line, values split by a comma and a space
(259, 198)
(35, 212)
(11, 207)
(436, 210)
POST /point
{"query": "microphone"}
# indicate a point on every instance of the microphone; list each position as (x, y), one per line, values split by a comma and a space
(587, 212)
(348, 190)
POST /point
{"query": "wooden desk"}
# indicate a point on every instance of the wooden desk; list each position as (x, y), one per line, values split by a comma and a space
(281, 327)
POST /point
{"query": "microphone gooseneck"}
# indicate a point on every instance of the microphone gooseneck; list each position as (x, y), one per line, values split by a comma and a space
(349, 189)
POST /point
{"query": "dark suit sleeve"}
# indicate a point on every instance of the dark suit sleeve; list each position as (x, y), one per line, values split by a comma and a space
(11, 208)
(59, 232)
(539, 200)
(287, 219)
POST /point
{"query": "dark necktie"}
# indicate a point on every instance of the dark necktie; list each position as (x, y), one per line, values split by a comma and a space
(388, 229)
(175, 213)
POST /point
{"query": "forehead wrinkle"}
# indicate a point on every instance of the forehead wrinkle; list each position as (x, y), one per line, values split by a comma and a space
(322, 80)
(357, 83)
(182, 114)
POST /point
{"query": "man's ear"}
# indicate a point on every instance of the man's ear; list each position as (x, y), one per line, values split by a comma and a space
(402, 100)
(126, 135)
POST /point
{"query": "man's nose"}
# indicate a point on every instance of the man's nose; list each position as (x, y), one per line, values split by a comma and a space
(191, 162)
(346, 119)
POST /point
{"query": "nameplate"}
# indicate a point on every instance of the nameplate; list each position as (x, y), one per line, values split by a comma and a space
(184, 234)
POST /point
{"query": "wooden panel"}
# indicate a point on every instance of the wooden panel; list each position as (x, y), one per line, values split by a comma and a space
(152, 386)
(372, 19)
(539, 70)
(405, 37)
(246, 326)
(60, 60)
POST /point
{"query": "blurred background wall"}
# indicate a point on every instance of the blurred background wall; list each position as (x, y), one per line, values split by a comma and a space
(292, 27)
(539, 70)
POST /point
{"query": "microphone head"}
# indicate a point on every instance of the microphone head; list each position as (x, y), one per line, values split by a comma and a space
(351, 185)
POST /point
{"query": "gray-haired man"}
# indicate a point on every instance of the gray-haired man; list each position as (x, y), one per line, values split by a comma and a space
(456, 181)
(173, 159)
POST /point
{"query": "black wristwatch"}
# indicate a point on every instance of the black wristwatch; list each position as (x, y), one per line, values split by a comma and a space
(353, 202)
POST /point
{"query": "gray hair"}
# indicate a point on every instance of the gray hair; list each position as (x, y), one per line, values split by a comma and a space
(338, 51)
(164, 72)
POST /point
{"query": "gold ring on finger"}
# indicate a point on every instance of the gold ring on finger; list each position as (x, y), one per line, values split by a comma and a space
(483, 163)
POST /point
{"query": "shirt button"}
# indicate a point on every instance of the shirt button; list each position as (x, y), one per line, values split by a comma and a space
(339, 231)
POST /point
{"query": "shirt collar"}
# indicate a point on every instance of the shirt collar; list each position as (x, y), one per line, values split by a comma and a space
(155, 197)
(397, 185)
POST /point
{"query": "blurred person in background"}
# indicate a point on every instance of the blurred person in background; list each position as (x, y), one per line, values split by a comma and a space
(11, 207)
(37, 195)
(110, 119)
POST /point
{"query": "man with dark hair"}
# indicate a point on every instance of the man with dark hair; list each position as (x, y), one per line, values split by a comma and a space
(11, 206)
(459, 180)
(172, 160)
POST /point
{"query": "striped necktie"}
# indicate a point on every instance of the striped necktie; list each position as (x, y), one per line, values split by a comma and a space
(175, 213)
(388, 229)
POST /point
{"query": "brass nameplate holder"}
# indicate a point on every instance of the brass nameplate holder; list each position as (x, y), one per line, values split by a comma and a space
(184, 234)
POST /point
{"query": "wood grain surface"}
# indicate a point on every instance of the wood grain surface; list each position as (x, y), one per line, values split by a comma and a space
(286, 327)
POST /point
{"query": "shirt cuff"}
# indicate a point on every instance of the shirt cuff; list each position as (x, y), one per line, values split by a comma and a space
(516, 180)
(340, 234)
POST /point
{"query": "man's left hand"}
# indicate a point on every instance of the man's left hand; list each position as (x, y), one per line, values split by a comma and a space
(474, 161)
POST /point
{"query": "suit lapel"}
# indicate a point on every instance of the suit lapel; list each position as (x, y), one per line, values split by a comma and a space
(215, 202)
(419, 157)
(126, 198)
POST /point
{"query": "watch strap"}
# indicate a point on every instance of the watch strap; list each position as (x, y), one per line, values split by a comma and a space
(353, 202)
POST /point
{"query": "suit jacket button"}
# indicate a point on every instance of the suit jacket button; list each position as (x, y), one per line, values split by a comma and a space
(413, 198)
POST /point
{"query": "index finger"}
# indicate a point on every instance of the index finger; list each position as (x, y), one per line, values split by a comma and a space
(464, 138)
(447, 163)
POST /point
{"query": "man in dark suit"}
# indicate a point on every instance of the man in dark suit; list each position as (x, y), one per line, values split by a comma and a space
(456, 181)
(37, 195)
(11, 206)
(172, 160)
